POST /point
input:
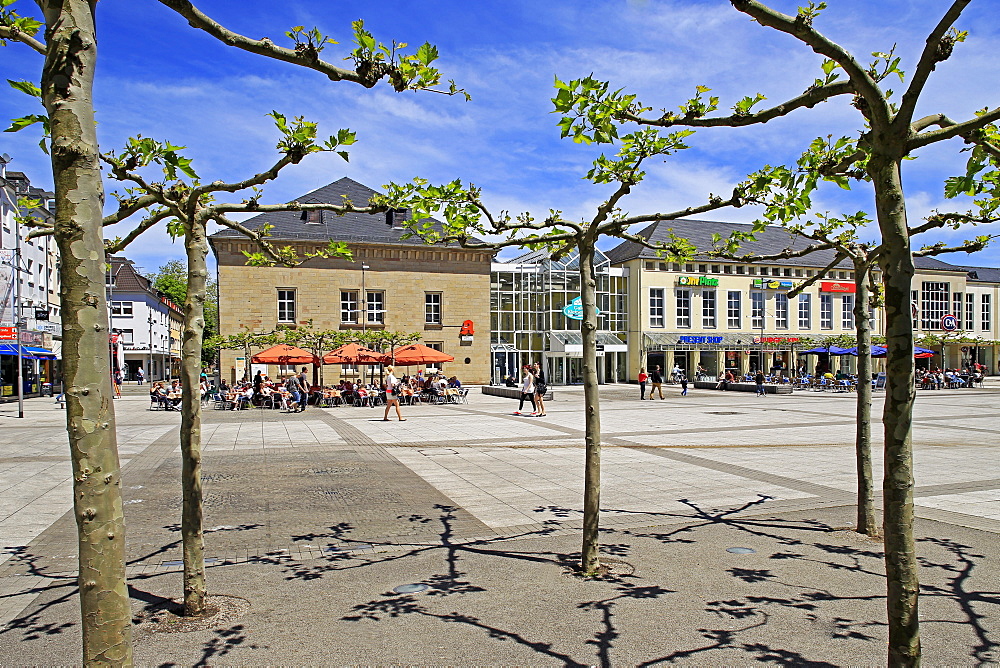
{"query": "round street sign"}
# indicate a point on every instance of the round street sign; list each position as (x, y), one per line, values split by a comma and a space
(949, 323)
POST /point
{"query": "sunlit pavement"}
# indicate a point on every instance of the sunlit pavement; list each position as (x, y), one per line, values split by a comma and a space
(283, 488)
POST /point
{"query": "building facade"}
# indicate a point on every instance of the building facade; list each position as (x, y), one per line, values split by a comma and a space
(145, 325)
(391, 283)
(29, 288)
(720, 315)
(535, 316)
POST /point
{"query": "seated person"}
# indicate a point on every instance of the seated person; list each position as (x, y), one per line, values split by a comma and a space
(157, 394)
(243, 399)
(454, 382)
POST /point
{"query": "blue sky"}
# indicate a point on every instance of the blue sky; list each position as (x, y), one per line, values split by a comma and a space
(158, 77)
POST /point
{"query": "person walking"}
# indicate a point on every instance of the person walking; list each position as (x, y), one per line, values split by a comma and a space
(527, 391)
(643, 379)
(759, 380)
(140, 375)
(295, 389)
(656, 378)
(684, 385)
(541, 387)
(118, 384)
(393, 389)
(304, 382)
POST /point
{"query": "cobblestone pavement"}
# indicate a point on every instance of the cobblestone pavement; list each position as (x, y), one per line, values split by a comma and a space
(332, 483)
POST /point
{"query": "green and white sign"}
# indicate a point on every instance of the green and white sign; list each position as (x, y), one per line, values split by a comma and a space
(574, 310)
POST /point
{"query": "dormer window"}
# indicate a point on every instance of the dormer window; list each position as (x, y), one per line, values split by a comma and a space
(314, 217)
(395, 217)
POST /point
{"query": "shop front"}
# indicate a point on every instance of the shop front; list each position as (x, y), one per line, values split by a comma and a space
(564, 358)
(37, 365)
(717, 354)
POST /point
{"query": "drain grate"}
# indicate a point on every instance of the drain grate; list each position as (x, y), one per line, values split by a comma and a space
(724, 413)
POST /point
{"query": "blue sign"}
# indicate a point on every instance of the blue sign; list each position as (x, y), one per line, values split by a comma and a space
(574, 310)
(700, 339)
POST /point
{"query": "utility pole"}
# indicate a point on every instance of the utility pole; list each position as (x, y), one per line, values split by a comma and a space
(16, 277)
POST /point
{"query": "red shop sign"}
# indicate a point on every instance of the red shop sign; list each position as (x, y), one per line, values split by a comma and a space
(8, 334)
(829, 286)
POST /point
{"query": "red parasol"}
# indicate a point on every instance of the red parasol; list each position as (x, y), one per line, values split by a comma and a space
(352, 353)
(419, 354)
(284, 354)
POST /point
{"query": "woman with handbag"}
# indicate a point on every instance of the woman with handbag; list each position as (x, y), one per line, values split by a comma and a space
(393, 389)
(541, 387)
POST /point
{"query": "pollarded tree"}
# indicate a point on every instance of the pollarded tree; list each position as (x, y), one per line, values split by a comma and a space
(466, 216)
(69, 48)
(317, 341)
(890, 132)
(245, 342)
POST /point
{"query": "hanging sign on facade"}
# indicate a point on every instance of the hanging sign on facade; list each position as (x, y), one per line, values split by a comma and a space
(767, 284)
(949, 323)
(574, 310)
(8, 334)
(698, 280)
(832, 286)
(699, 339)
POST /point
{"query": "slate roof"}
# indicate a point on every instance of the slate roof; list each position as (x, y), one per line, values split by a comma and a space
(770, 240)
(350, 227)
(982, 274)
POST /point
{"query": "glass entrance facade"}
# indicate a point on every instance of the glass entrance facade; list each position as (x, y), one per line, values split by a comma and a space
(535, 317)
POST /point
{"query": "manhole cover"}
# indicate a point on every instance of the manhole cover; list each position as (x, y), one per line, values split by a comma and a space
(741, 550)
(218, 477)
(332, 470)
(410, 588)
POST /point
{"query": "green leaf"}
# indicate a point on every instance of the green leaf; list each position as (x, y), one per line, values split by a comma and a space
(26, 87)
(18, 124)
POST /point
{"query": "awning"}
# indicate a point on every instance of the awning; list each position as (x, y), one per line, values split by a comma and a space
(27, 352)
(572, 342)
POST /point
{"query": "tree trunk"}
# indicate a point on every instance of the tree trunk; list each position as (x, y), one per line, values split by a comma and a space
(897, 485)
(67, 85)
(192, 530)
(867, 522)
(592, 416)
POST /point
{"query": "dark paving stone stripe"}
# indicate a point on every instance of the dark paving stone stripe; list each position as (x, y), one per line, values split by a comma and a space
(957, 488)
(781, 481)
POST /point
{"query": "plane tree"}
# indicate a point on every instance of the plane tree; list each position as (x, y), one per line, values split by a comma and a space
(466, 218)
(890, 131)
(68, 46)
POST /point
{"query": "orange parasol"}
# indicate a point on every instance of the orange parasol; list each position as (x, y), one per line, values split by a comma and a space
(352, 353)
(419, 354)
(284, 354)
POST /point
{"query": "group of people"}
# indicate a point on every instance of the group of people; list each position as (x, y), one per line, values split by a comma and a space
(167, 396)
(533, 389)
(938, 378)
(655, 379)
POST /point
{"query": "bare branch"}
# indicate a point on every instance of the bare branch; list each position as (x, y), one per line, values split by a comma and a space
(950, 128)
(782, 255)
(253, 235)
(967, 247)
(256, 180)
(863, 83)
(818, 276)
(941, 219)
(735, 200)
(264, 47)
(936, 49)
(807, 100)
(7, 32)
(130, 207)
(144, 225)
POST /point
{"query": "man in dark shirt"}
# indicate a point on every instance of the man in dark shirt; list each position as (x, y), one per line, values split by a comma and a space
(656, 379)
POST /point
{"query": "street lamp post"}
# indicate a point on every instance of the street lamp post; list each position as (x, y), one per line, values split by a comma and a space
(364, 309)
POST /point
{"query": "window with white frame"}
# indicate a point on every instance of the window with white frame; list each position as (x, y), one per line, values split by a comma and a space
(986, 315)
(847, 312)
(656, 307)
(934, 303)
(349, 306)
(914, 307)
(734, 308)
(683, 297)
(286, 305)
(121, 308)
(956, 306)
(708, 308)
(375, 308)
(970, 308)
(432, 308)
(757, 310)
(826, 311)
(125, 336)
(805, 311)
(781, 311)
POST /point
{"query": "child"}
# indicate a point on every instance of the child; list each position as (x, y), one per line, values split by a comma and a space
(684, 385)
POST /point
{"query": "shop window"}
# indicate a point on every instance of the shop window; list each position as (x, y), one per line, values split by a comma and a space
(934, 303)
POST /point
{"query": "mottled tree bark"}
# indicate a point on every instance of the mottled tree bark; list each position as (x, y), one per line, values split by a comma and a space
(592, 409)
(867, 522)
(192, 520)
(897, 485)
(67, 85)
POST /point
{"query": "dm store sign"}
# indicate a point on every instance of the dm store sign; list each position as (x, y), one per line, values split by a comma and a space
(574, 310)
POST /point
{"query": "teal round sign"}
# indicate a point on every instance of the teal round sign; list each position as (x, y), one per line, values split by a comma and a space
(574, 310)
